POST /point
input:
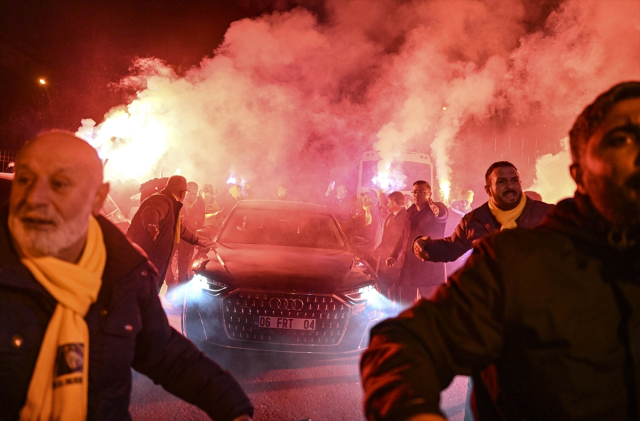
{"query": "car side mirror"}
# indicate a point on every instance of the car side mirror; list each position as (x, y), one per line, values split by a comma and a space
(358, 242)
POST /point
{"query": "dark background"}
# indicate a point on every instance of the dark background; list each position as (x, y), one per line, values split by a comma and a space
(82, 48)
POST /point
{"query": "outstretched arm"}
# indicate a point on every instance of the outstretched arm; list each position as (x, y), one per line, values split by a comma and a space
(450, 248)
(171, 360)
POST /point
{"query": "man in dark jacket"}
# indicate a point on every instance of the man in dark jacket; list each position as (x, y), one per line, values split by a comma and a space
(155, 227)
(505, 194)
(556, 308)
(391, 234)
(424, 217)
(48, 224)
(504, 188)
(193, 220)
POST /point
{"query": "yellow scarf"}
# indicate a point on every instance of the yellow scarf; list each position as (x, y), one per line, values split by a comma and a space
(59, 387)
(176, 233)
(508, 218)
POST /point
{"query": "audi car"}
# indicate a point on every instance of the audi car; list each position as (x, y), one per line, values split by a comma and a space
(282, 277)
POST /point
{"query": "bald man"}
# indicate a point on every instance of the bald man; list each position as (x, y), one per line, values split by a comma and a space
(69, 278)
(156, 225)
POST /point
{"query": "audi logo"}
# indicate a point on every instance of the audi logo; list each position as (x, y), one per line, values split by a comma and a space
(294, 304)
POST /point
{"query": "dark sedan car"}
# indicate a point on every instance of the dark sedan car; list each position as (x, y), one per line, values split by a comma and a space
(282, 277)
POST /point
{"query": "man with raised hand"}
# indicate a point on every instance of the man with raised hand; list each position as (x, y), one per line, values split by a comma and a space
(78, 304)
(556, 308)
(424, 217)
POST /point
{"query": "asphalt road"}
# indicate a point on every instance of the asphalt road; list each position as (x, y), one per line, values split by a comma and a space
(281, 387)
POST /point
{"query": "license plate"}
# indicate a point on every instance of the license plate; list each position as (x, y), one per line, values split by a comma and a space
(271, 322)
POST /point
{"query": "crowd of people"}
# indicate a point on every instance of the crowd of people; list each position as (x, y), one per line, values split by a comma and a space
(544, 316)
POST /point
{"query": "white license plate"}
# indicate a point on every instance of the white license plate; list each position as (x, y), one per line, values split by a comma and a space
(271, 322)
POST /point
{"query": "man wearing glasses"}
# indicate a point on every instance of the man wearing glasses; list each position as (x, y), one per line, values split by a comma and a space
(424, 216)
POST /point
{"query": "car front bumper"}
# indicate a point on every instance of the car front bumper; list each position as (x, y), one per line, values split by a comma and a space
(231, 320)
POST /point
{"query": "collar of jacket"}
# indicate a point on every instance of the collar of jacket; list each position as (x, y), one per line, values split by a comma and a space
(122, 257)
(578, 218)
(177, 205)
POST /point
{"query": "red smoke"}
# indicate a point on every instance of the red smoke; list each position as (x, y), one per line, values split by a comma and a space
(287, 98)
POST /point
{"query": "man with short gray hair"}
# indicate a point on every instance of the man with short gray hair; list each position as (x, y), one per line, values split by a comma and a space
(78, 303)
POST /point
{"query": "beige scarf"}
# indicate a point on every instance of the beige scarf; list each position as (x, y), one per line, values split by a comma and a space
(508, 218)
(59, 387)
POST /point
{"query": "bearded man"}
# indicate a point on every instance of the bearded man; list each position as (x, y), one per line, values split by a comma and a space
(78, 305)
(556, 308)
(508, 207)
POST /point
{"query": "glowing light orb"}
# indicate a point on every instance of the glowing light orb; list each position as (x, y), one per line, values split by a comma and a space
(389, 178)
(42, 82)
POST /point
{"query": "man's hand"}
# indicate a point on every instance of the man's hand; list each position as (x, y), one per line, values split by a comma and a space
(390, 261)
(204, 242)
(418, 248)
(427, 417)
(153, 231)
(242, 418)
(434, 208)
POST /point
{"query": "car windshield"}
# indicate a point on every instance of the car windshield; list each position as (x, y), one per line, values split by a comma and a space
(282, 228)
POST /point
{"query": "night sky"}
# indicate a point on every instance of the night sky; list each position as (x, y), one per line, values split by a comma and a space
(80, 48)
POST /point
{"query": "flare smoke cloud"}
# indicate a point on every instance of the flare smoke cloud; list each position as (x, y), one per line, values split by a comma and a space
(291, 98)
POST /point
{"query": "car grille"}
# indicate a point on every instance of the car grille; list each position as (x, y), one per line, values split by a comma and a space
(331, 315)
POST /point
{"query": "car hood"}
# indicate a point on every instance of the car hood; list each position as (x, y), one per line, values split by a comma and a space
(291, 269)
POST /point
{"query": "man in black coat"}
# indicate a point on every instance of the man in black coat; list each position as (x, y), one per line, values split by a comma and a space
(504, 188)
(156, 225)
(424, 217)
(193, 220)
(556, 308)
(58, 186)
(391, 234)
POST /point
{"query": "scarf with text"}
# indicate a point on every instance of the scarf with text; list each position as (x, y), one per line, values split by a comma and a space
(59, 387)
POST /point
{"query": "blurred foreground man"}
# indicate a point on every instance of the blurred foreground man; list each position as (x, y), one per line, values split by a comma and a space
(157, 225)
(424, 217)
(556, 308)
(78, 305)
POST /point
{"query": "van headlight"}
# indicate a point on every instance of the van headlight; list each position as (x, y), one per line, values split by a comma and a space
(202, 283)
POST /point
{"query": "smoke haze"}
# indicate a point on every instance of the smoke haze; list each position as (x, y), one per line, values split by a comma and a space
(291, 98)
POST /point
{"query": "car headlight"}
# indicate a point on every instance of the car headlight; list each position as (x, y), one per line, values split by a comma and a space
(202, 283)
(361, 294)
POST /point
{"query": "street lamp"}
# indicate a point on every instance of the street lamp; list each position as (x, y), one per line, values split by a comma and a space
(43, 83)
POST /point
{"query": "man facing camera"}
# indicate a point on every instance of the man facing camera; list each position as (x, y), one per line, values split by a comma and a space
(424, 217)
(78, 303)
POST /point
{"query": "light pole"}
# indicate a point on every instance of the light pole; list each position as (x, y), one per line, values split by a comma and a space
(43, 83)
